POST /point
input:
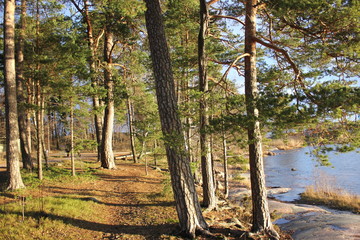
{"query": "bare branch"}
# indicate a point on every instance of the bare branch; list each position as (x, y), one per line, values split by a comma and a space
(228, 17)
(77, 6)
(96, 42)
(233, 64)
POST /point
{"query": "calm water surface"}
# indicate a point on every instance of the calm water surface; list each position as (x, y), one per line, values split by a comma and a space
(344, 172)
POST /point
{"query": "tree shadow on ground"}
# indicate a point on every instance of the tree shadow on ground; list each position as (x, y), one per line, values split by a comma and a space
(110, 231)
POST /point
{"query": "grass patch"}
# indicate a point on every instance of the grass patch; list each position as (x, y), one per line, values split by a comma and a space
(326, 192)
(58, 174)
(338, 199)
(45, 218)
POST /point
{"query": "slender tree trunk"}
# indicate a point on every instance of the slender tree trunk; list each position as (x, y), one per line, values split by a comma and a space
(92, 44)
(38, 92)
(131, 130)
(38, 131)
(107, 155)
(30, 113)
(42, 131)
(49, 137)
(187, 204)
(143, 146)
(11, 115)
(56, 133)
(226, 174)
(23, 111)
(209, 200)
(261, 215)
(99, 113)
(72, 138)
(155, 148)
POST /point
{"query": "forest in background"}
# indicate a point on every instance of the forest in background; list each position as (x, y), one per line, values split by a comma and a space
(84, 82)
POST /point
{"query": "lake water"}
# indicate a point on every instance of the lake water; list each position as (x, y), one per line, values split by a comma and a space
(344, 172)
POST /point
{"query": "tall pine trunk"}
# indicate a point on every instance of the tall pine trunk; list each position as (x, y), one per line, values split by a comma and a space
(24, 122)
(209, 200)
(187, 204)
(107, 155)
(11, 115)
(261, 215)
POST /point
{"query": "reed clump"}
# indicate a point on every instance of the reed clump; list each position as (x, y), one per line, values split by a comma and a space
(326, 192)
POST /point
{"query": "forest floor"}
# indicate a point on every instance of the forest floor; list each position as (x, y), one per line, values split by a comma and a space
(126, 203)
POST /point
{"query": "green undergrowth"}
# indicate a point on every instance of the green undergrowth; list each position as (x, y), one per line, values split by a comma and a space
(58, 174)
(46, 218)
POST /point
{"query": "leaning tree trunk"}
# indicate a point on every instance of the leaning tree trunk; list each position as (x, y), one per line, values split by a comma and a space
(209, 198)
(187, 204)
(107, 155)
(25, 145)
(261, 215)
(12, 128)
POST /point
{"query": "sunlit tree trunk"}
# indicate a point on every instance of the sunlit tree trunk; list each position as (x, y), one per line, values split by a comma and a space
(72, 139)
(107, 155)
(131, 130)
(261, 215)
(11, 115)
(39, 131)
(24, 123)
(187, 204)
(226, 174)
(209, 198)
(97, 106)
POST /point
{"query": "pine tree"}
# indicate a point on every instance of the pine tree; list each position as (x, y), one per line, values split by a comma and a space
(12, 128)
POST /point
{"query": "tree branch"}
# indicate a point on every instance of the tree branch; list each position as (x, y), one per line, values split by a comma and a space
(284, 53)
(228, 69)
(211, 2)
(228, 17)
(292, 64)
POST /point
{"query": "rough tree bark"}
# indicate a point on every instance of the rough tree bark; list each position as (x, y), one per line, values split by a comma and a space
(11, 115)
(24, 123)
(107, 155)
(209, 198)
(261, 215)
(187, 204)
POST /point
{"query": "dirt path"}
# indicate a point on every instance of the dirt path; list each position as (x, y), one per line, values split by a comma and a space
(131, 213)
(128, 202)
